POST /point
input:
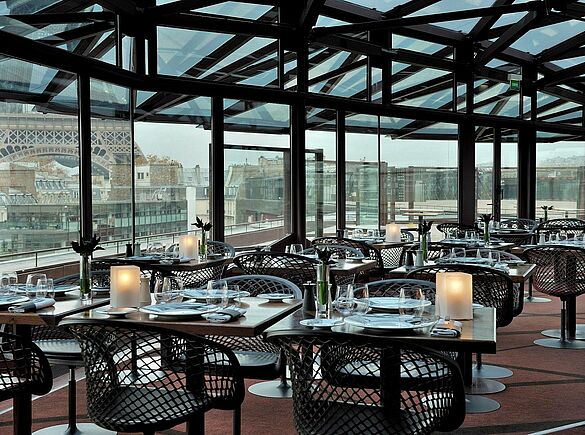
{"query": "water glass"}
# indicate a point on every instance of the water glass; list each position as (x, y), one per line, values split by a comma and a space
(296, 248)
(50, 288)
(344, 301)
(32, 280)
(162, 291)
(237, 302)
(13, 281)
(287, 249)
(361, 300)
(41, 290)
(4, 284)
(217, 293)
(411, 301)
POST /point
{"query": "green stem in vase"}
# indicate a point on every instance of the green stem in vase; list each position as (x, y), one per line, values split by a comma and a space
(486, 232)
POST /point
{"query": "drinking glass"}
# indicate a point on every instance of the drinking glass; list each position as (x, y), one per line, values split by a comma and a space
(376, 234)
(50, 288)
(344, 301)
(361, 300)
(161, 292)
(287, 249)
(41, 290)
(411, 301)
(173, 287)
(32, 280)
(457, 252)
(156, 248)
(4, 284)
(296, 248)
(13, 281)
(217, 293)
(237, 298)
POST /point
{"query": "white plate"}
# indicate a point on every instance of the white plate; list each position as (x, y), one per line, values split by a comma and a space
(60, 289)
(12, 299)
(185, 309)
(321, 323)
(393, 303)
(275, 296)
(387, 322)
(116, 312)
(196, 293)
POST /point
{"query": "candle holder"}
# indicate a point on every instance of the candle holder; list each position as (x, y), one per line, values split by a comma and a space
(393, 233)
(454, 296)
(124, 286)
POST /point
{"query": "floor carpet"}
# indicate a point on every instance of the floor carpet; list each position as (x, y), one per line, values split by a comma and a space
(546, 390)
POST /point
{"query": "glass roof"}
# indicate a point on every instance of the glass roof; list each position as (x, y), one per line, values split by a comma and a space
(350, 43)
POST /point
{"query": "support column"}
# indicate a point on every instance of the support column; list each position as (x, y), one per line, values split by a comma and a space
(85, 183)
(526, 172)
(216, 181)
(297, 172)
(340, 169)
(497, 175)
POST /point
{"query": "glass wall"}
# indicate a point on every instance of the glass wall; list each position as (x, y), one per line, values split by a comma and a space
(560, 178)
(256, 173)
(509, 181)
(172, 166)
(484, 170)
(39, 158)
(321, 173)
(362, 180)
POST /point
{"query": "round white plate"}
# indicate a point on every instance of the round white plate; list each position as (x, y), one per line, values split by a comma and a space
(196, 293)
(393, 303)
(60, 289)
(275, 296)
(12, 299)
(185, 309)
(387, 322)
(321, 323)
(116, 312)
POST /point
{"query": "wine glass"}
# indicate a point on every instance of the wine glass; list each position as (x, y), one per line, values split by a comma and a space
(217, 293)
(32, 280)
(296, 248)
(411, 301)
(4, 284)
(361, 300)
(161, 292)
(173, 287)
(41, 290)
(344, 301)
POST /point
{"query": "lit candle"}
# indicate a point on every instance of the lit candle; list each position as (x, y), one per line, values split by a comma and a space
(124, 286)
(189, 246)
(454, 295)
(392, 233)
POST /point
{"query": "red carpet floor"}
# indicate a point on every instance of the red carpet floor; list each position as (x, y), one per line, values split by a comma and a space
(547, 389)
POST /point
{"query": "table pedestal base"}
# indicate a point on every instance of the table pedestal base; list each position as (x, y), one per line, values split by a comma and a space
(480, 404)
(488, 371)
(556, 333)
(536, 299)
(272, 389)
(560, 344)
(82, 428)
(484, 386)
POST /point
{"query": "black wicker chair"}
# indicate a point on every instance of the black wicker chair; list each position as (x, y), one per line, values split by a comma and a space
(491, 288)
(294, 268)
(61, 348)
(24, 369)
(568, 228)
(340, 251)
(560, 272)
(450, 227)
(220, 248)
(369, 252)
(418, 391)
(183, 376)
(518, 224)
(191, 278)
(391, 287)
(259, 359)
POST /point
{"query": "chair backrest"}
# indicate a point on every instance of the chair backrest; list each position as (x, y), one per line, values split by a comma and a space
(559, 269)
(221, 248)
(340, 251)
(180, 375)
(295, 268)
(369, 251)
(491, 287)
(24, 368)
(485, 253)
(257, 284)
(419, 390)
(192, 278)
(450, 227)
(567, 227)
(518, 224)
(391, 287)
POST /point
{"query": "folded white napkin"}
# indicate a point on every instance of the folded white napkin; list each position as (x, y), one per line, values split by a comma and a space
(32, 305)
(447, 328)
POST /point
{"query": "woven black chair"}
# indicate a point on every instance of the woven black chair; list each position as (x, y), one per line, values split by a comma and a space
(560, 272)
(24, 369)
(342, 252)
(369, 252)
(566, 227)
(61, 348)
(191, 278)
(186, 376)
(259, 359)
(391, 287)
(294, 268)
(518, 224)
(451, 227)
(393, 257)
(418, 391)
(491, 288)
(220, 248)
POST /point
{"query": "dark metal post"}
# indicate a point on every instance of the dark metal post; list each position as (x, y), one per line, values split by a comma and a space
(527, 151)
(297, 172)
(216, 181)
(85, 183)
(340, 169)
(132, 103)
(119, 36)
(497, 175)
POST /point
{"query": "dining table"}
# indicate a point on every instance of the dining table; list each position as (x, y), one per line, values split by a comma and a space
(22, 324)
